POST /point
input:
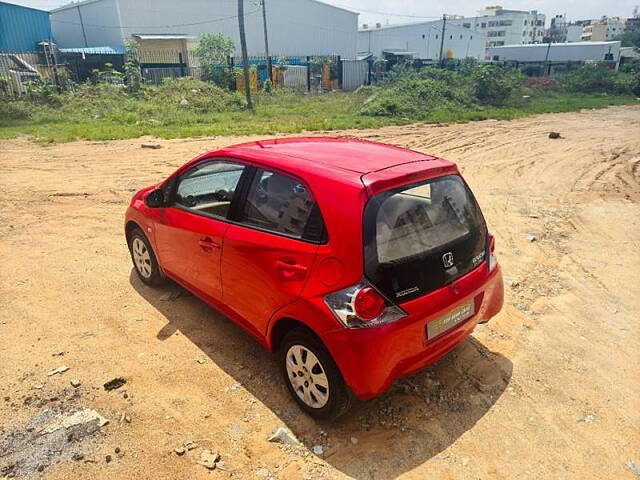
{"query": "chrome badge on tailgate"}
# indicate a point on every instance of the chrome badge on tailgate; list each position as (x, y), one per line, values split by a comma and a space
(450, 319)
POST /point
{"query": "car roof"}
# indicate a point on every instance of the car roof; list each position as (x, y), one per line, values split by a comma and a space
(348, 155)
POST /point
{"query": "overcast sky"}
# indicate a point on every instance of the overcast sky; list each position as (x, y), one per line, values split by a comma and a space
(390, 11)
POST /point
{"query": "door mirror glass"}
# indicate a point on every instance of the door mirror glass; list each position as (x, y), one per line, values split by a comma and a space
(155, 199)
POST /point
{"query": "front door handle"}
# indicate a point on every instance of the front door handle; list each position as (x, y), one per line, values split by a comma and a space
(208, 245)
(290, 271)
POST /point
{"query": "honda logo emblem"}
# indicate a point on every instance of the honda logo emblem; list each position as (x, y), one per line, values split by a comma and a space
(447, 260)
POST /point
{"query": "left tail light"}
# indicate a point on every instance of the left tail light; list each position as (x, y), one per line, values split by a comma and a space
(363, 306)
(493, 260)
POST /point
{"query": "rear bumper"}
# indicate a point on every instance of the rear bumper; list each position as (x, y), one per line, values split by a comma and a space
(371, 359)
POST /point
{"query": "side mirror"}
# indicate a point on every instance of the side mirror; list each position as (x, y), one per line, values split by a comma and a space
(155, 199)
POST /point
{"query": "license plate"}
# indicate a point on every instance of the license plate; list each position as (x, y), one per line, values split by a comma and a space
(450, 319)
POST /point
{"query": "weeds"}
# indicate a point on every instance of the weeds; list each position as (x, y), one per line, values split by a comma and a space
(187, 107)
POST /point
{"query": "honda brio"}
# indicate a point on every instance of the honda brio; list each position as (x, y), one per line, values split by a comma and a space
(358, 262)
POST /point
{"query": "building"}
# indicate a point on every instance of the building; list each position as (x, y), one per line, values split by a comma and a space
(557, 52)
(421, 40)
(561, 30)
(506, 27)
(295, 27)
(22, 28)
(604, 30)
(574, 33)
(632, 25)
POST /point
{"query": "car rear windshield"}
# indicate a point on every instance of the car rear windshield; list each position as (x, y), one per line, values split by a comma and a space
(420, 237)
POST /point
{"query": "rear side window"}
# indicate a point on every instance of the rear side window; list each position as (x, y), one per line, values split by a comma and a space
(281, 204)
(209, 187)
(420, 237)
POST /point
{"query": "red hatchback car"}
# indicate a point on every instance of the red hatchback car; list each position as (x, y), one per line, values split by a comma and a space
(358, 262)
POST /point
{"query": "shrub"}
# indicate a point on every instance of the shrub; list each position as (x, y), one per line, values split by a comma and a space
(597, 78)
(14, 110)
(201, 96)
(493, 84)
(44, 93)
(417, 94)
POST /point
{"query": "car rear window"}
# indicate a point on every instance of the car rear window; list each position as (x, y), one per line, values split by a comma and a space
(420, 237)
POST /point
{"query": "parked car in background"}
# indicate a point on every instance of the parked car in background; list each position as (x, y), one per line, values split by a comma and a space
(358, 262)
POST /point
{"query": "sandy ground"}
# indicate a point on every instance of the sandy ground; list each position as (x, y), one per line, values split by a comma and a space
(549, 389)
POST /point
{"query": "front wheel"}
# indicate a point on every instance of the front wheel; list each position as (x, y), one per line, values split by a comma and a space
(312, 377)
(144, 260)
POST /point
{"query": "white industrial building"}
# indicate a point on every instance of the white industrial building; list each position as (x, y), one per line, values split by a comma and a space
(295, 27)
(421, 40)
(505, 27)
(557, 52)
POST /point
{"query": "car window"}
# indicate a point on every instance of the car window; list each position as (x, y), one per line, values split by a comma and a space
(281, 204)
(209, 187)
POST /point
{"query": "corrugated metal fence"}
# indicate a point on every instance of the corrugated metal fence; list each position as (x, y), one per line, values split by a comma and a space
(354, 73)
(313, 74)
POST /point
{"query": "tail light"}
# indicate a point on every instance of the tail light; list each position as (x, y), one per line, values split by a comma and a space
(362, 306)
(493, 260)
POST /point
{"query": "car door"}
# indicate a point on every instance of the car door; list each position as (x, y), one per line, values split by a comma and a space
(270, 249)
(191, 230)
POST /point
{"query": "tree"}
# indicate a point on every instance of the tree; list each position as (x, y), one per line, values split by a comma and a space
(212, 51)
(630, 39)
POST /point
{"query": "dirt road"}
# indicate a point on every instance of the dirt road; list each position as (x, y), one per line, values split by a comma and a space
(549, 389)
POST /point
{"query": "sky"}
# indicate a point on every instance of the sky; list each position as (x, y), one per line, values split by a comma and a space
(392, 11)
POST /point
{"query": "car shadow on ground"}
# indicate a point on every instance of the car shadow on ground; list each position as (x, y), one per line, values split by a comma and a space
(416, 419)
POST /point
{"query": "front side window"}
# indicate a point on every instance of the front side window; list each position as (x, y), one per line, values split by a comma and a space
(209, 187)
(281, 204)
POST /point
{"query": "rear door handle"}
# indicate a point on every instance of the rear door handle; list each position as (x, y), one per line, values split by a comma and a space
(290, 271)
(207, 244)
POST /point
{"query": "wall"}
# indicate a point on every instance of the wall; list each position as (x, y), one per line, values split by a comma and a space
(22, 28)
(574, 33)
(94, 23)
(559, 52)
(296, 27)
(424, 40)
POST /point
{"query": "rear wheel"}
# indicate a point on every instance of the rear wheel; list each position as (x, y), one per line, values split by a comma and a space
(144, 260)
(312, 376)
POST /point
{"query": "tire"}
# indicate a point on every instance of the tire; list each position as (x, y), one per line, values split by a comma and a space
(144, 259)
(308, 360)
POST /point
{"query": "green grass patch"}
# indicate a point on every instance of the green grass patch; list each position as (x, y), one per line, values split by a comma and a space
(190, 108)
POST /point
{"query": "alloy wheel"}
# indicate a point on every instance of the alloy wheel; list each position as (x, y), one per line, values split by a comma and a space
(141, 258)
(307, 376)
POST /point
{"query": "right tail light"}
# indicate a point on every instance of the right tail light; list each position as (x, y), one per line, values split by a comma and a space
(363, 306)
(493, 260)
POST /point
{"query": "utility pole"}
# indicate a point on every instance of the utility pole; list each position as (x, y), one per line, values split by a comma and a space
(266, 39)
(444, 26)
(546, 58)
(245, 60)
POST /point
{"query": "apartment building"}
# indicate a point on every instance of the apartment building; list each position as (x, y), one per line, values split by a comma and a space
(604, 30)
(506, 27)
(563, 31)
